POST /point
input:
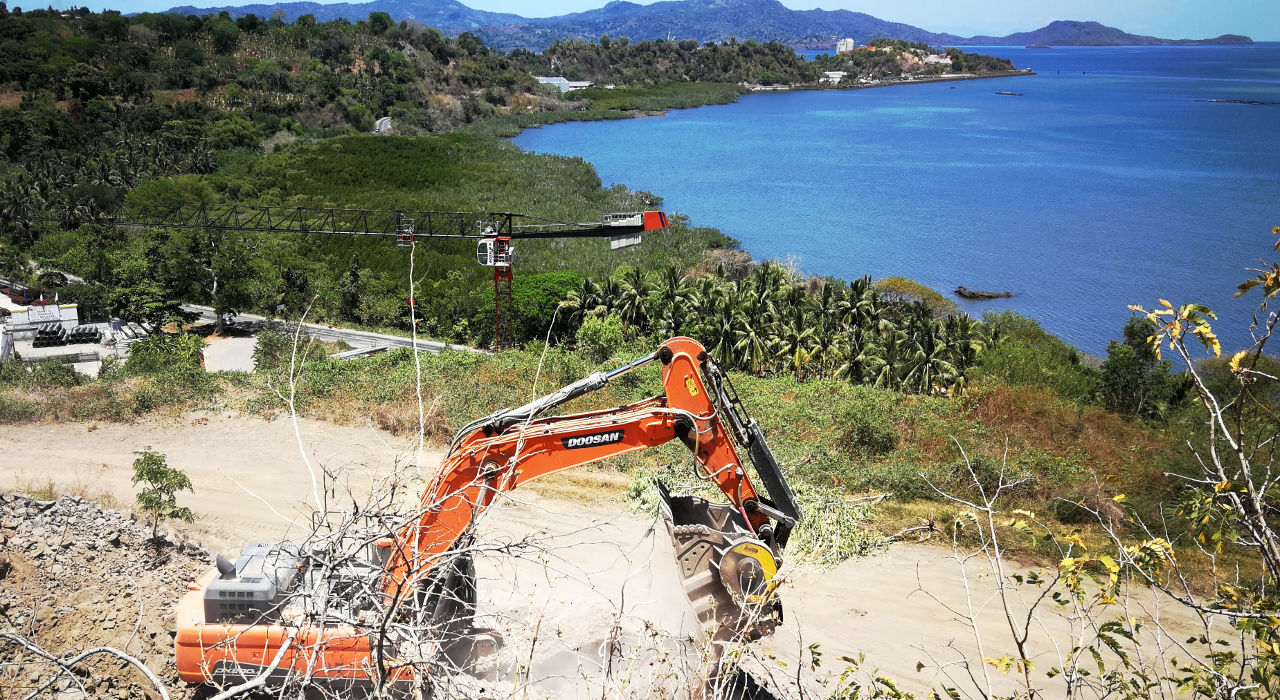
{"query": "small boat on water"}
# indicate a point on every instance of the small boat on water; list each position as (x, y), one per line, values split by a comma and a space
(1006, 92)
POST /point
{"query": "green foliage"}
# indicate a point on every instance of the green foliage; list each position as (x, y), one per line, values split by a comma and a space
(833, 529)
(657, 97)
(275, 350)
(161, 483)
(536, 299)
(964, 62)
(868, 428)
(40, 375)
(162, 352)
(599, 337)
(1021, 352)
(653, 62)
(773, 323)
(1132, 381)
(905, 291)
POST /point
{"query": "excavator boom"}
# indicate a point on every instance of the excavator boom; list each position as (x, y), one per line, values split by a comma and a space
(728, 553)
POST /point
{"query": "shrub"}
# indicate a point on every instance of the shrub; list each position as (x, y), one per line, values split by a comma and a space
(902, 479)
(989, 472)
(55, 374)
(161, 352)
(598, 337)
(42, 375)
(159, 497)
(1021, 352)
(275, 350)
(868, 430)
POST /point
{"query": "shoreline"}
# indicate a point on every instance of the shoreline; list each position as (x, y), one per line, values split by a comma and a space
(894, 83)
(618, 114)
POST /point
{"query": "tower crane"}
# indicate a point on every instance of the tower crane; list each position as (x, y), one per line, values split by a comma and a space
(495, 233)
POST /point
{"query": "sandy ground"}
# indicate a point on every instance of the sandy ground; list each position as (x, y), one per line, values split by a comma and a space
(597, 564)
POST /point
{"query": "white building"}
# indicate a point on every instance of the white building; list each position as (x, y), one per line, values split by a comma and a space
(556, 81)
(564, 85)
(938, 59)
(27, 317)
(846, 45)
(833, 76)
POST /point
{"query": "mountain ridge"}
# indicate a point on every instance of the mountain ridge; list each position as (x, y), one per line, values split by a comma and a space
(704, 20)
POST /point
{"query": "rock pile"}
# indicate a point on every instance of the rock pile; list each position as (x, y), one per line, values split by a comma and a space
(75, 575)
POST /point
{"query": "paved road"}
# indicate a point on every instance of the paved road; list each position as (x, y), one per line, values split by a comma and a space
(354, 338)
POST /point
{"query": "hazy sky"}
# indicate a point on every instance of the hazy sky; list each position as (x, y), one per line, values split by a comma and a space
(1166, 18)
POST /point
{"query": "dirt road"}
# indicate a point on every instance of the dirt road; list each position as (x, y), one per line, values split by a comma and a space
(595, 573)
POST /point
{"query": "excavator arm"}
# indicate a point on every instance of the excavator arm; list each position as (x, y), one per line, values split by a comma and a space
(728, 553)
(510, 448)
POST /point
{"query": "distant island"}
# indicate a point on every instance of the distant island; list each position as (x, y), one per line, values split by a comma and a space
(703, 20)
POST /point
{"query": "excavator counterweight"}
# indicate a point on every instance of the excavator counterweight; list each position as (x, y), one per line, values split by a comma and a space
(287, 612)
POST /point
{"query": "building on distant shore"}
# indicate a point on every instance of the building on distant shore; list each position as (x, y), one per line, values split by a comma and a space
(564, 85)
(846, 45)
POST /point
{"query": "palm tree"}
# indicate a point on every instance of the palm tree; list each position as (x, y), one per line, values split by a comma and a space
(673, 298)
(721, 337)
(610, 294)
(582, 302)
(964, 340)
(928, 368)
(892, 366)
(633, 305)
(752, 349)
(828, 304)
(769, 279)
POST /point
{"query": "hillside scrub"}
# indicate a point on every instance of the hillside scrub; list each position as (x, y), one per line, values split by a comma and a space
(660, 61)
(860, 440)
(349, 280)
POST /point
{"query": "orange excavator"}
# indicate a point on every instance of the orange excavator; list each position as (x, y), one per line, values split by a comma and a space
(287, 612)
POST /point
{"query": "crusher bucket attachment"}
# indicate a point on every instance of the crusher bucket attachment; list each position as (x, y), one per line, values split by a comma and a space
(726, 571)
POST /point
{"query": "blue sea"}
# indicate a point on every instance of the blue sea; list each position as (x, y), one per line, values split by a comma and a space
(1108, 182)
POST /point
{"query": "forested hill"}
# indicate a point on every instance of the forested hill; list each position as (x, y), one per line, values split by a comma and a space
(703, 20)
(447, 15)
(100, 111)
(1067, 33)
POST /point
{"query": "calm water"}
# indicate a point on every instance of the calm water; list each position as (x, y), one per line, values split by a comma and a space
(1106, 184)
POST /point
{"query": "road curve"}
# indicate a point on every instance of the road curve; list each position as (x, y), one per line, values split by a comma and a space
(354, 338)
